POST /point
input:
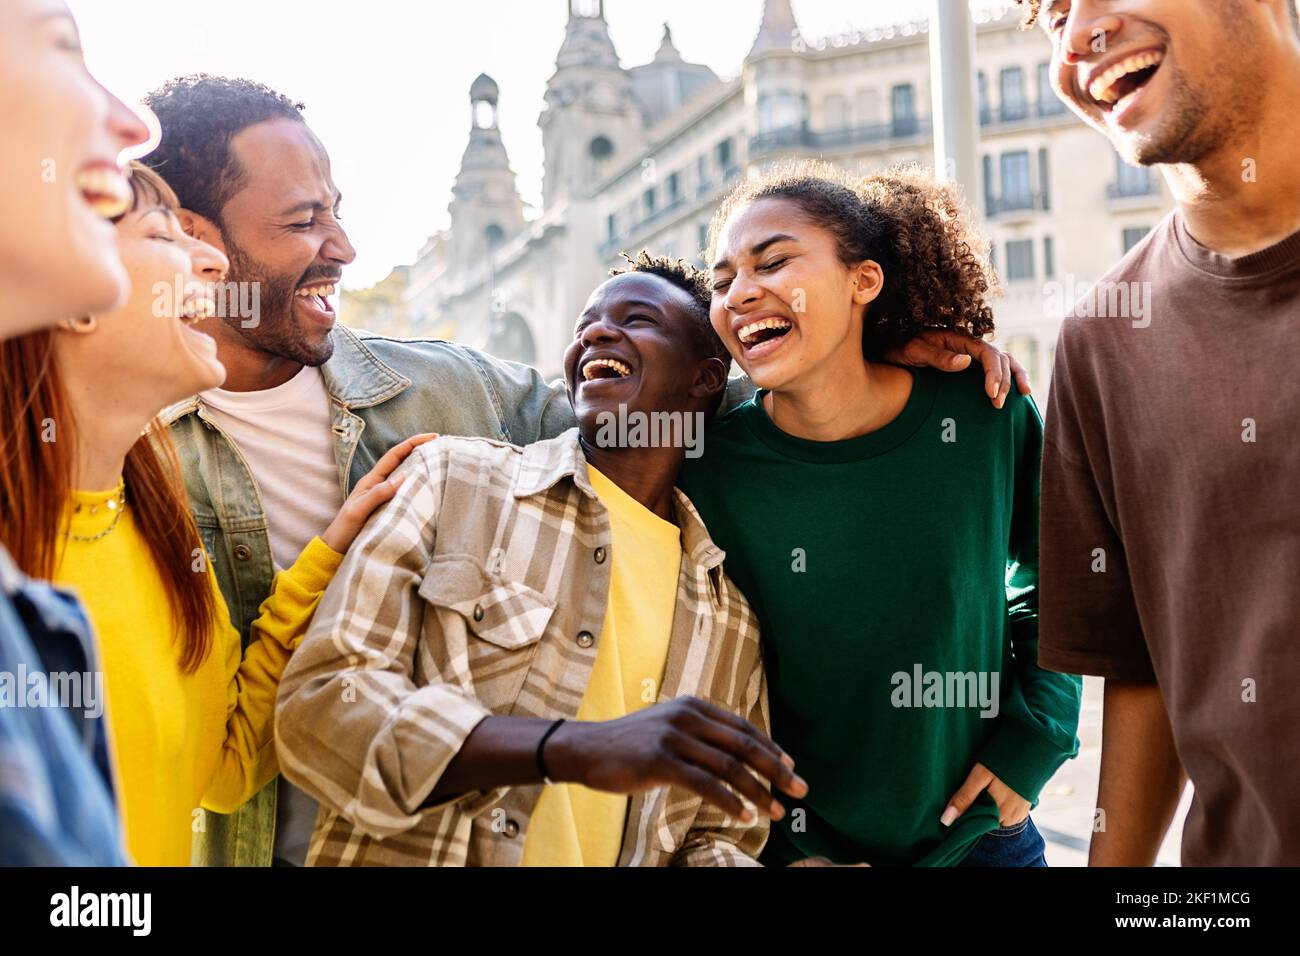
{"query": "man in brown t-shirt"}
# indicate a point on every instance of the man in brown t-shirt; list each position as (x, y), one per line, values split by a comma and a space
(1171, 471)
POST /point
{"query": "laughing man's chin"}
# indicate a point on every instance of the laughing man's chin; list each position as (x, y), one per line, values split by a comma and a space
(320, 354)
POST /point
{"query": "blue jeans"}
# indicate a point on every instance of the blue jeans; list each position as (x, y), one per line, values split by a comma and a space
(1020, 845)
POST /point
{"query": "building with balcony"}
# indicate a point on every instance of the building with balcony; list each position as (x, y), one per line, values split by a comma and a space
(640, 157)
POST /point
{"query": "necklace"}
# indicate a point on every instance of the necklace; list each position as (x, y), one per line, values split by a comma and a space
(116, 505)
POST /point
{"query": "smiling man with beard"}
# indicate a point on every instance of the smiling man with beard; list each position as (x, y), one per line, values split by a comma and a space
(1170, 520)
(276, 449)
(267, 196)
(309, 407)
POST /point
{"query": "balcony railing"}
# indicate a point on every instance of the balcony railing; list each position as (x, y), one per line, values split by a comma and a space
(786, 138)
(1133, 188)
(1017, 203)
(802, 137)
(1010, 113)
(611, 244)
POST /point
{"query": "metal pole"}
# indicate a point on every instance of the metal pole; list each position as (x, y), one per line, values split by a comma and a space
(954, 97)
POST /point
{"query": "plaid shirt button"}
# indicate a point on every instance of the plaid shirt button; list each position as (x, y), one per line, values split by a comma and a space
(600, 555)
(585, 639)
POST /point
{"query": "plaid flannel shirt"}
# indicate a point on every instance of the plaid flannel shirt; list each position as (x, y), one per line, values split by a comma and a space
(481, 589)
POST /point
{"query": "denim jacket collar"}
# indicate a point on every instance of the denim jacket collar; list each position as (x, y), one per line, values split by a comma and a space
(354, 375)
(354, 378)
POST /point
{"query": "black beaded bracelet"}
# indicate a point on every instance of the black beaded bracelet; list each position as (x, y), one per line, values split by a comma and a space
(541, 761)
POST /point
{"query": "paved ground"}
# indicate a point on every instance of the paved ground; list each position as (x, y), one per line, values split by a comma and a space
(1064, 813)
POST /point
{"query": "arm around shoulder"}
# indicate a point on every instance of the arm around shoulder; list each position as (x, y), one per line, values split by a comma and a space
(532, 408)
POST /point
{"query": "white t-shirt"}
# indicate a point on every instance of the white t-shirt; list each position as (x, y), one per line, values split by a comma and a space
(285, 434)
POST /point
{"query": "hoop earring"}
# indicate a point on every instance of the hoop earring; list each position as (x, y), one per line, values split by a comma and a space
(82, 323)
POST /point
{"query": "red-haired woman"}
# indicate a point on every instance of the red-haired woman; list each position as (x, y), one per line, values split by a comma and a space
(59, 184)
(91, 497)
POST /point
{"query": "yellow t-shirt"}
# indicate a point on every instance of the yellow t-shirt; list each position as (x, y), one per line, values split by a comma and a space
(571, 825)
(180, 739)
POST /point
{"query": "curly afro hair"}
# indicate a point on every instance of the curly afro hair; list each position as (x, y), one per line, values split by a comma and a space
(936, 265)
(200, 114)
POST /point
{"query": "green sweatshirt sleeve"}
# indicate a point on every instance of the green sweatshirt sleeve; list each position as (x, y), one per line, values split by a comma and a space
(1036, 729)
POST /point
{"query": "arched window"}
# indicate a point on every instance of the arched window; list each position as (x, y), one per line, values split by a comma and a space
(781, 111)
(511, 339)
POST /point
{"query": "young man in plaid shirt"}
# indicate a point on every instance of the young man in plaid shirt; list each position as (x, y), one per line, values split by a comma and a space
(532, 655)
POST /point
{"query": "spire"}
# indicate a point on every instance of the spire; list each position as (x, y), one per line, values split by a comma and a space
(484, 89)
(483, 96)
(485, 206)
(778, 30)
(667, 51)
(485, 150)
(586, 37)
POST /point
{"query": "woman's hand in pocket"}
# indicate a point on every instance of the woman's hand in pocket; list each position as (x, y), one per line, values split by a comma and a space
(1012, 807)
(377, 487)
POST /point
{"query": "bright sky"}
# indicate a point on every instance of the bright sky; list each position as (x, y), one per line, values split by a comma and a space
(386, 81)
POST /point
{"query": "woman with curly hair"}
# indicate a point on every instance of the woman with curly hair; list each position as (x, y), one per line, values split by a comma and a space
(883, 522)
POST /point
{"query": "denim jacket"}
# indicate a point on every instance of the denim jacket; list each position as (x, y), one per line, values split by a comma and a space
(56, 789)
(381, 391)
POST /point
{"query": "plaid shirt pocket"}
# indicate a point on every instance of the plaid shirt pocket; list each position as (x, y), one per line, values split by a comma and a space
(497, 622)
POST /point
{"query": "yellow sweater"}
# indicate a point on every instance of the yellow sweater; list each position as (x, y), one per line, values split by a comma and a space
(180, 740)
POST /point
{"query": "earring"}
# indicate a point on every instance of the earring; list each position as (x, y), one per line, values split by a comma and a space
(82, 323)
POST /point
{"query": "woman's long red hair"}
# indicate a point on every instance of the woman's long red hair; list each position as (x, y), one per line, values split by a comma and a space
(38, 439)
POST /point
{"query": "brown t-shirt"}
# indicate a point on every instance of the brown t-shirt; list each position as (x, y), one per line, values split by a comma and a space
(1172, 460)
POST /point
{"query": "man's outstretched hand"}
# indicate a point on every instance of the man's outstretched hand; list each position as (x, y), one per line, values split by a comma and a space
(952, 351)
(688, 743)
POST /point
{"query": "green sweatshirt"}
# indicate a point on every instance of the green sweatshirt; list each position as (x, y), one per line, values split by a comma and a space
(895, 575)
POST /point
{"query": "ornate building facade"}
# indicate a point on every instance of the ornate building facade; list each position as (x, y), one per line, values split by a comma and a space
(640, 157)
